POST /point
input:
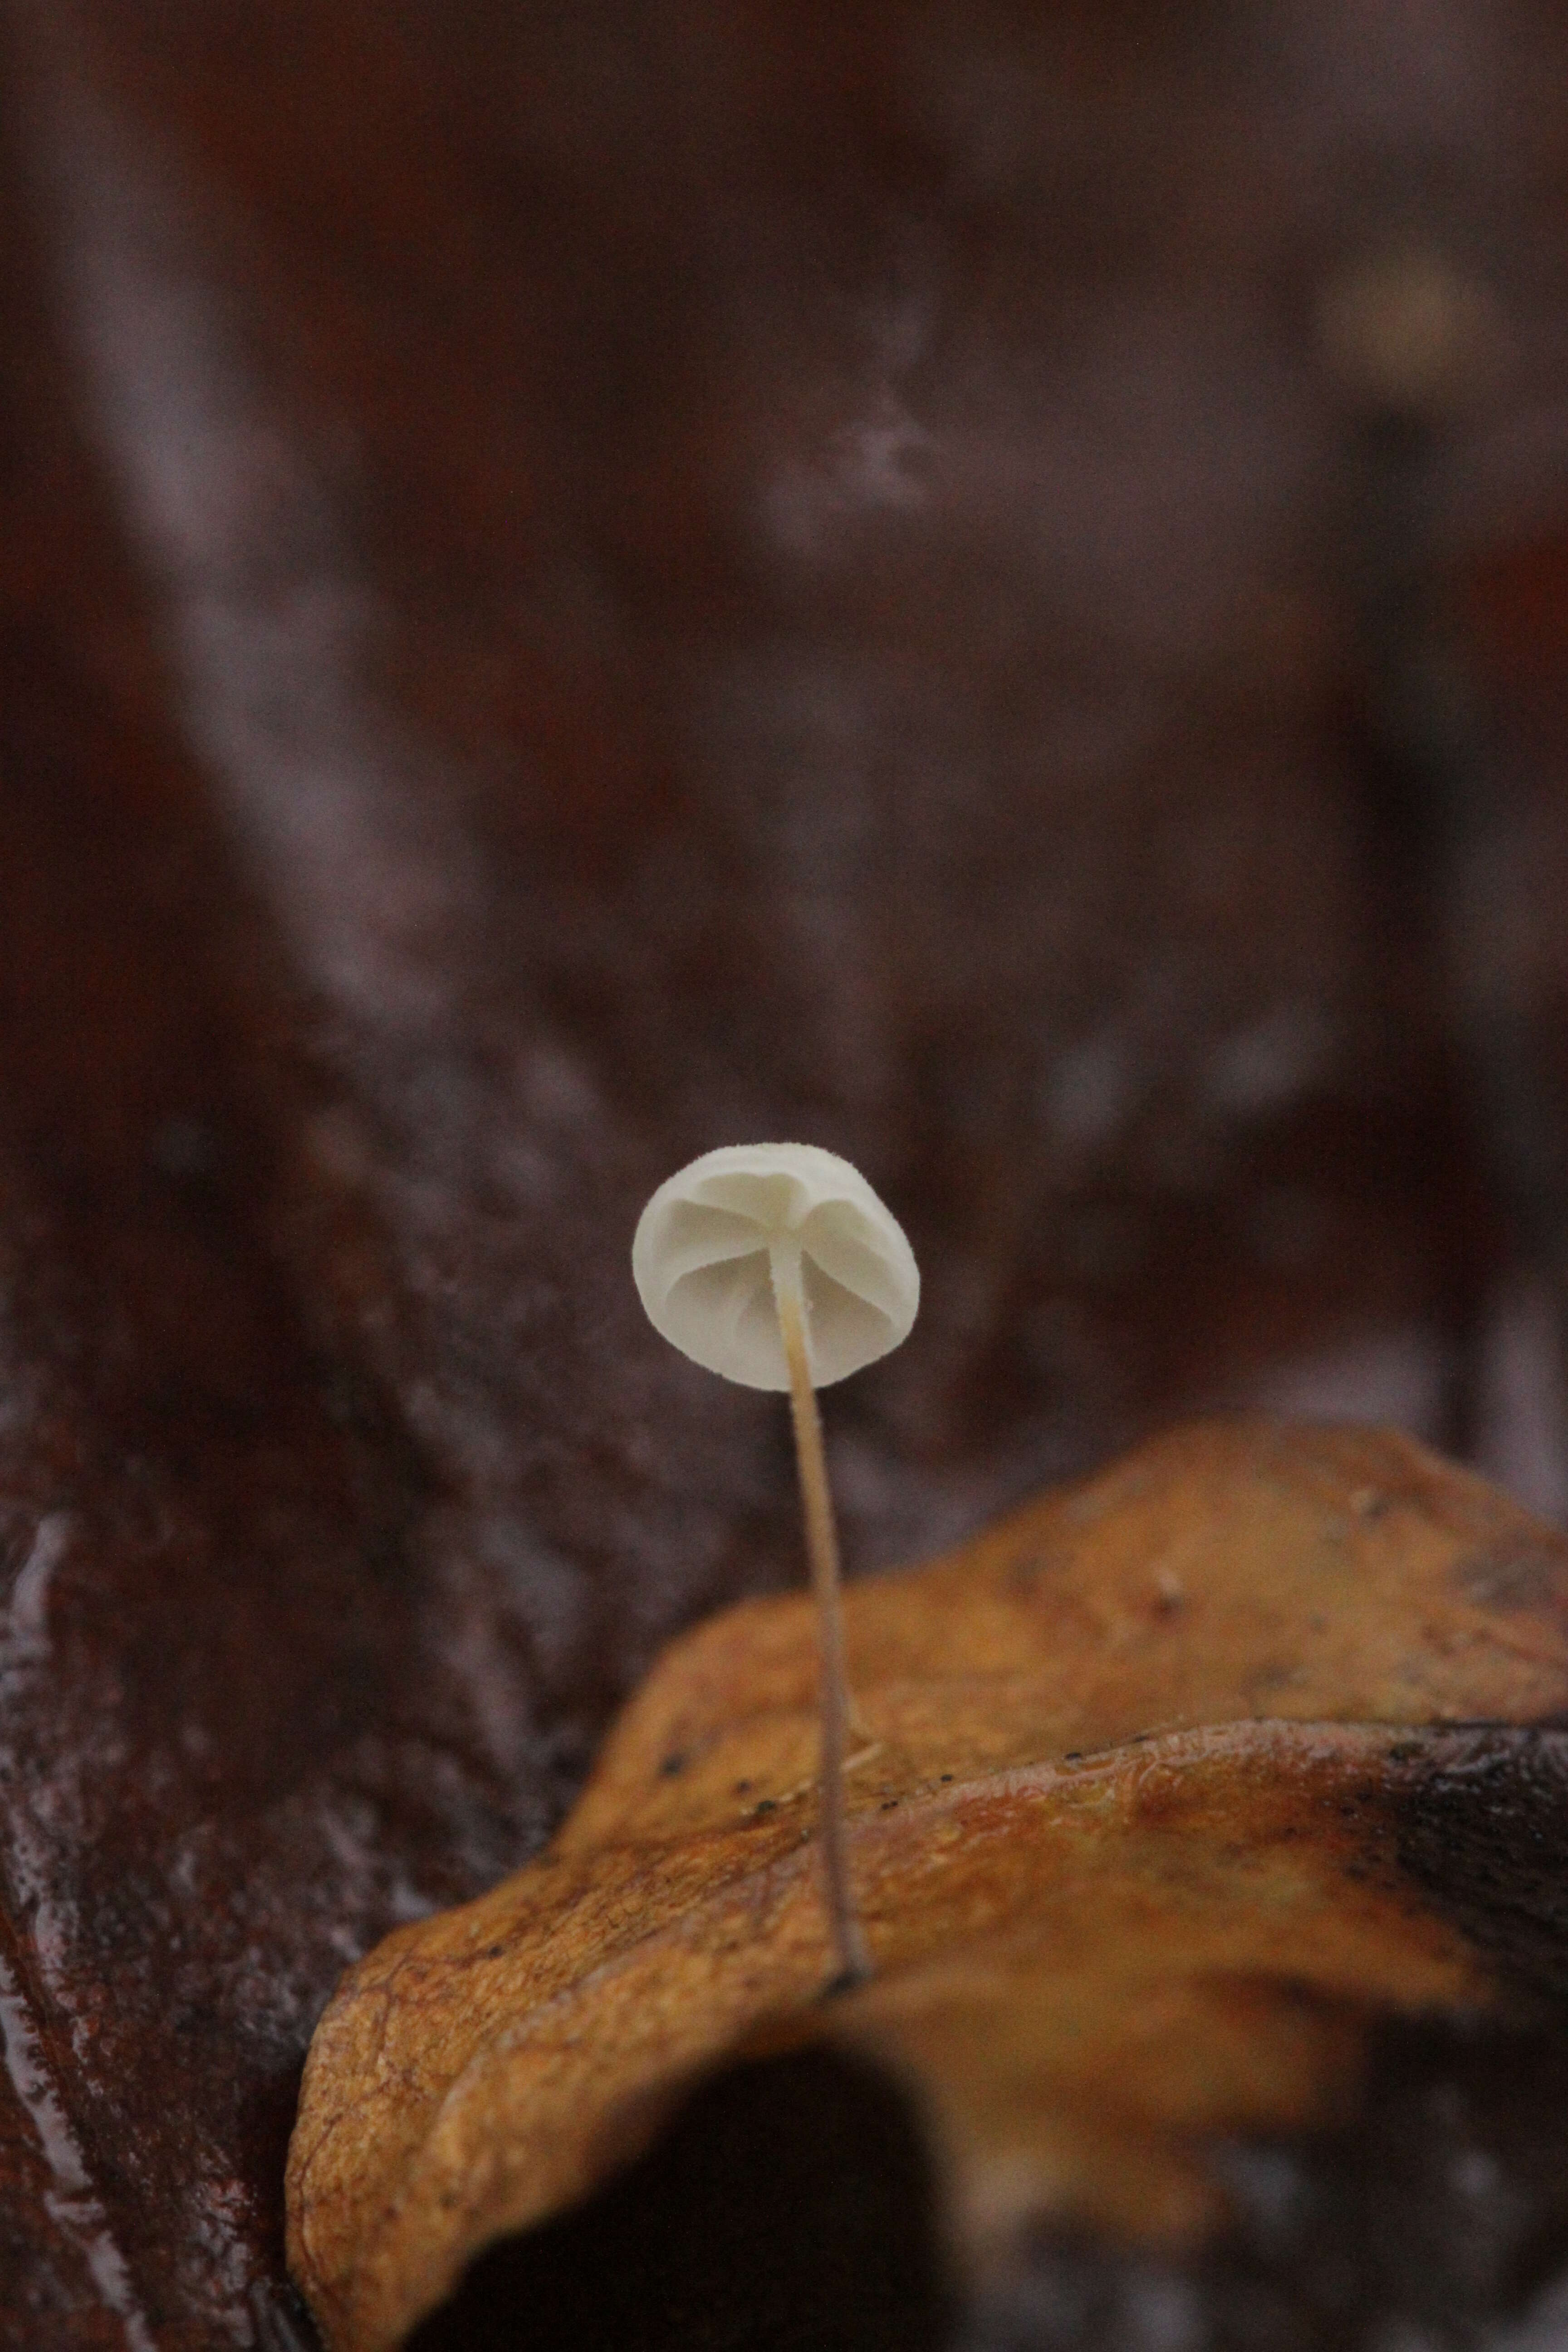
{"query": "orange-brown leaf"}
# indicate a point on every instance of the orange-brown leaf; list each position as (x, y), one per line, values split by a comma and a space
(1123, 1830)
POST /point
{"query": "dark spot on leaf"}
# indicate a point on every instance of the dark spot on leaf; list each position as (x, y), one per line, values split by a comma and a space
(1483, 1830)
(671, 1765)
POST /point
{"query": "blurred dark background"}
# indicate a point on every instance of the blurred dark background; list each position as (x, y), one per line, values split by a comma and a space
(987, 586)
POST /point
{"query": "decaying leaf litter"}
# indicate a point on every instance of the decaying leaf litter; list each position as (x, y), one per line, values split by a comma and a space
(1128, 1827)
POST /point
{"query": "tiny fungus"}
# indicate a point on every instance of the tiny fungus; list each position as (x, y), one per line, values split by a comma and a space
(776, 1265)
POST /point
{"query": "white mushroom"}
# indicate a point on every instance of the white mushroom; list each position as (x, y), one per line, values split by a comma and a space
(776, 1265)
(708, 1242)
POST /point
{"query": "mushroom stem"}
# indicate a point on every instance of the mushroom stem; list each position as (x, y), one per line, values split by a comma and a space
(822, 1549)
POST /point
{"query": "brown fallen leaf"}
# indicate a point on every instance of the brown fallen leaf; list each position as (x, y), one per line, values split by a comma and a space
(381, 317)
(1131, 1833)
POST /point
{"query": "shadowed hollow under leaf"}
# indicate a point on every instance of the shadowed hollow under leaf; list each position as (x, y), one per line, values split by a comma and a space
(1148, 1829)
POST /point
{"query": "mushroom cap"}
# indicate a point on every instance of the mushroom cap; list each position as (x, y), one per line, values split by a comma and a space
(702, 1260)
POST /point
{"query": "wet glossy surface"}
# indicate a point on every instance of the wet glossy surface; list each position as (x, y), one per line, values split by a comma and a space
(566, 598)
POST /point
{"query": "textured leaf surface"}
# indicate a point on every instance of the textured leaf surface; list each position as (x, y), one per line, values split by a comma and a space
(1126, 1828)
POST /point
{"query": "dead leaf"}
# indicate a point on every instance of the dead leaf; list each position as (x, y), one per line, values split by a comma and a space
(694, 786)
(1130, 1831)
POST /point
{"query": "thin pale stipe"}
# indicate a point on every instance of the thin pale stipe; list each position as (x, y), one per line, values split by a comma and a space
(822, 1548)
